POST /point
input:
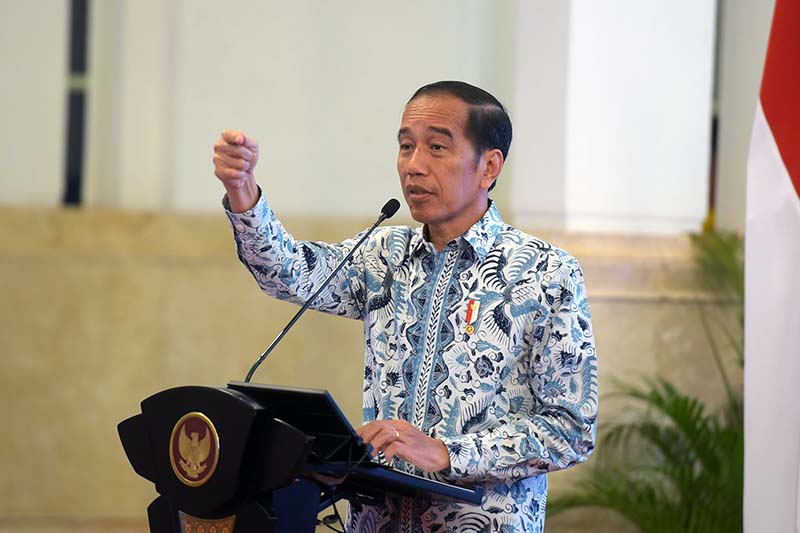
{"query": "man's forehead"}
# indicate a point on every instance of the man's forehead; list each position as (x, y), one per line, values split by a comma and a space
(435, 113)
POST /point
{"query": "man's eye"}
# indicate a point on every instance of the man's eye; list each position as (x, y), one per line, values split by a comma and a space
(405, 146)
(437, 147)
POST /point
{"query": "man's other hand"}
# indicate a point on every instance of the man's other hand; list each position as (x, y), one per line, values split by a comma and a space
(398, 438)
(235, 158)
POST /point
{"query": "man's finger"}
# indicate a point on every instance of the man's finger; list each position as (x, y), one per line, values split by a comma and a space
(380, 440)
(233, 137)
(367, 430)
(235, 150)
(378, 434)
(250, 143)
(227, 161)
(392, 451)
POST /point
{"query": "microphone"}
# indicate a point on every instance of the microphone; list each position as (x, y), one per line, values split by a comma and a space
(387, 211)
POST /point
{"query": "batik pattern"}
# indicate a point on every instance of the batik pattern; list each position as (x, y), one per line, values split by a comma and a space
(513, 400)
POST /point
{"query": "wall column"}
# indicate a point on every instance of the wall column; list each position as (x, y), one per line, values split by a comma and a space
(618, 139)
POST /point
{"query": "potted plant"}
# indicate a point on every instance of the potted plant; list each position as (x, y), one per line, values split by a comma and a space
(671, 465)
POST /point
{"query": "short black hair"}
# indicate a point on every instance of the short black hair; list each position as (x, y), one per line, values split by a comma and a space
(488, 124)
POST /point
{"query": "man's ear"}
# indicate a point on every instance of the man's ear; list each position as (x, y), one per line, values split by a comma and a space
(493, 164)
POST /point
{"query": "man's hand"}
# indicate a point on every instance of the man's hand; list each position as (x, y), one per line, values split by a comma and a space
(398, 438)
(235, 158)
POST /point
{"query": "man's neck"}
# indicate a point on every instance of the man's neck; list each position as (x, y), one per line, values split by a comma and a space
(440, 234)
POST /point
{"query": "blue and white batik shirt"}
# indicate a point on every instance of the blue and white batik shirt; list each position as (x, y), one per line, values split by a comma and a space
(510, 387)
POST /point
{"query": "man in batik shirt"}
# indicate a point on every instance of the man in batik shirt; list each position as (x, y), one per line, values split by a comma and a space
(480, 365)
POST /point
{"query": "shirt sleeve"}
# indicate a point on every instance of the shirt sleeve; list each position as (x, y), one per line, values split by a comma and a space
(559, 429)
(292, 270)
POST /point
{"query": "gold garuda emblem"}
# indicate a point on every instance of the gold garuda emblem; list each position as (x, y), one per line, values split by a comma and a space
(194, 449)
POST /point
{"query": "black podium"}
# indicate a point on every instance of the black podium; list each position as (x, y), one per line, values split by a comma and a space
(256, 458)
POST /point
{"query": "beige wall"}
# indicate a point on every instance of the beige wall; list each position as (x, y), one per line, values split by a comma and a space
(101, 309)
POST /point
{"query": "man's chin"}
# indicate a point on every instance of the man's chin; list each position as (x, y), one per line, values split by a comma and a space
(419, 214)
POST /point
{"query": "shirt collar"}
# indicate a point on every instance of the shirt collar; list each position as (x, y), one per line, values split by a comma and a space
(480, 236)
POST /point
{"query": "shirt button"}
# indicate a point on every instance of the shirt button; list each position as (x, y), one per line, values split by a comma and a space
(240, 228)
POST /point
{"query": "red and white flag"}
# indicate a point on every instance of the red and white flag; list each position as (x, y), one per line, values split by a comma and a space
(772, 288)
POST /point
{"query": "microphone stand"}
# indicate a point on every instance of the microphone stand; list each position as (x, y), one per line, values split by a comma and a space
(388, 210)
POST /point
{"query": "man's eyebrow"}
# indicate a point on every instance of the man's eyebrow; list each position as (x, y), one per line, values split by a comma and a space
(435, 129)
(442, 131)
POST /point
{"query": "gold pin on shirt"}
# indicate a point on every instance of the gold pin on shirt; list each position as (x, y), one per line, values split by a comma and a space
(472, 316)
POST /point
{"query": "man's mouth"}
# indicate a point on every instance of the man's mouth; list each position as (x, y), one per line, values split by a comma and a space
(416, 192)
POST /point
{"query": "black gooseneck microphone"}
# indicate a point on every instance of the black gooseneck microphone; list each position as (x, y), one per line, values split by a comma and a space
(388, 211)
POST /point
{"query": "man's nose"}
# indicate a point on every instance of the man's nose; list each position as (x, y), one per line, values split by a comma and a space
(417, 163)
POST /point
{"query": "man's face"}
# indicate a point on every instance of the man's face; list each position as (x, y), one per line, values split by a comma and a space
(444, 182)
